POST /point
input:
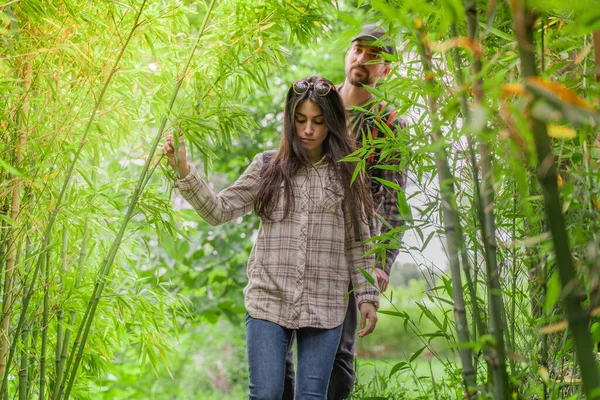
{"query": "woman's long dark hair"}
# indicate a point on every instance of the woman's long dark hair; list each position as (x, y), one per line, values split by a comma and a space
(291, 156)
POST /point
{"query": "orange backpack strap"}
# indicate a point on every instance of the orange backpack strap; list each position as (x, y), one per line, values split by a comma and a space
(382, 107)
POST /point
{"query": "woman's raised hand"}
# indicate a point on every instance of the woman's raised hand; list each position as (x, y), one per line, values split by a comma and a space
(181, 167)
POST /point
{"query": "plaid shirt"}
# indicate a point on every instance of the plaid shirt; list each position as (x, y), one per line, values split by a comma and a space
(300, 267)
(385, 198)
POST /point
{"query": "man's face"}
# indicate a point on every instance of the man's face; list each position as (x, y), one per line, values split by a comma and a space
(364, 64)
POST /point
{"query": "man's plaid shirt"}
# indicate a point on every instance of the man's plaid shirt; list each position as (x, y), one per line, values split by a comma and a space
(300, 267)
(385, 198)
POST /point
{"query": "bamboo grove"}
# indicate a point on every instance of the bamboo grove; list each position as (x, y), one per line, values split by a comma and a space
(501, 100)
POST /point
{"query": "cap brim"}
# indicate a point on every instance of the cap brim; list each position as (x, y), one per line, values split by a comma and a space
(364, 36)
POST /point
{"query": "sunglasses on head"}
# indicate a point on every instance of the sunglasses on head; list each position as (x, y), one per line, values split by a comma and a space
(320, 87)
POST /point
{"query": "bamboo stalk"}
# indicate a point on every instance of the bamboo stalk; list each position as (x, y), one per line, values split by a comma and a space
(62, 358)
(31, 372)
(464, 257)
(13, 235)
(596, 36)
(479, 221)
(451, 219)
(53, 214)
(23, 371)
(578, 319)
(106, 267)
(597, 70)
(485, 210)
(60, 313)
(541, 273)
(514, 271)
(45, 319)
(3, 233)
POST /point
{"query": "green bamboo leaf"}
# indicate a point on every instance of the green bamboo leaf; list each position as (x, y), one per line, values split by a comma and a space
(11, 222)
(388, 167)
(430, 315)
(367, 276)
(553, 290)
(404, 208)
(359, 167)
(426, 242)
(497, 32)
(416, 354)
(394, 313)
(401, 366)
(10, 169)
(387, 183)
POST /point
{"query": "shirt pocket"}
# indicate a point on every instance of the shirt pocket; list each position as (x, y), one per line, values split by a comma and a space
(331, 198)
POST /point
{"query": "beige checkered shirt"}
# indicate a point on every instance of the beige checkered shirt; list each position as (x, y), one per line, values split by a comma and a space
(299, 268)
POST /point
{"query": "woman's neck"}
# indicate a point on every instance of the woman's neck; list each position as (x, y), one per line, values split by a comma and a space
(315, 156)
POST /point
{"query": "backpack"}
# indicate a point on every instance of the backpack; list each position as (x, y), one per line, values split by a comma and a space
(374, 129)
(267, 157)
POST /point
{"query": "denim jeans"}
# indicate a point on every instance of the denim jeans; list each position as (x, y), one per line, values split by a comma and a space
(342, 378)
(267, 344)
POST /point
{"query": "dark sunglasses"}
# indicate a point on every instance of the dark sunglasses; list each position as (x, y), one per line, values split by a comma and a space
(321, 88)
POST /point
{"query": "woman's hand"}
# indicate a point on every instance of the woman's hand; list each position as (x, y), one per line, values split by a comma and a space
(182, 167)
(367, 312)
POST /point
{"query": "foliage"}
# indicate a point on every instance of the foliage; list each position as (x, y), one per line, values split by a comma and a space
(175, 277)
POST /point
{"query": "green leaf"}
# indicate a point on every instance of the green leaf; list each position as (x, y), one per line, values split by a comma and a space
(553, 289)
(497, 32)
(367, 276)
(10, 169)
(359, 167)
(394, 313)
(387, 183)
(401, 366)
(430, 315)
(417, 354)
(404, 208)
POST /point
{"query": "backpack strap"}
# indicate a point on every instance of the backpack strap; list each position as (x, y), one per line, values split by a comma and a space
(267, 157)
(382, 106)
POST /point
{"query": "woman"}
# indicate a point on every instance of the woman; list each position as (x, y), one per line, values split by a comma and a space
(309, 245)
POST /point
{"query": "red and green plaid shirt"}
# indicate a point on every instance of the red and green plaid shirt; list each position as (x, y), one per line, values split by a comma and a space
(385, 198)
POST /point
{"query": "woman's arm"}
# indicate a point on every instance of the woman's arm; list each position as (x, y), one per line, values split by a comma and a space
(367, 294)
(233, 202)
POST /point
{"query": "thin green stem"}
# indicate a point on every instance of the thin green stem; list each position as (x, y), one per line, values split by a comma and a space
(452, 227)
(24, 368)
(13, 237)
(60, 340)
(62, 357)
(45, 319)
(485, 209)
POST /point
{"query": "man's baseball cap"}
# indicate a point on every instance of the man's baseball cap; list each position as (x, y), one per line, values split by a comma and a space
(374, 32)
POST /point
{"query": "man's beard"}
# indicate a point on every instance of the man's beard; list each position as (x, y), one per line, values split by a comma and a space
(359, 82)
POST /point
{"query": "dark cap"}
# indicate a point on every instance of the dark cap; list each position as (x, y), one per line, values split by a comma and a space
(374, 32)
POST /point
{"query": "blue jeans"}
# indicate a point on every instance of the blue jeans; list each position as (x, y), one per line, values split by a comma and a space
(342, 377)
(267, 345)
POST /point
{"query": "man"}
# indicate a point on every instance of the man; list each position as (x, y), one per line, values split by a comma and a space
(364, 66)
